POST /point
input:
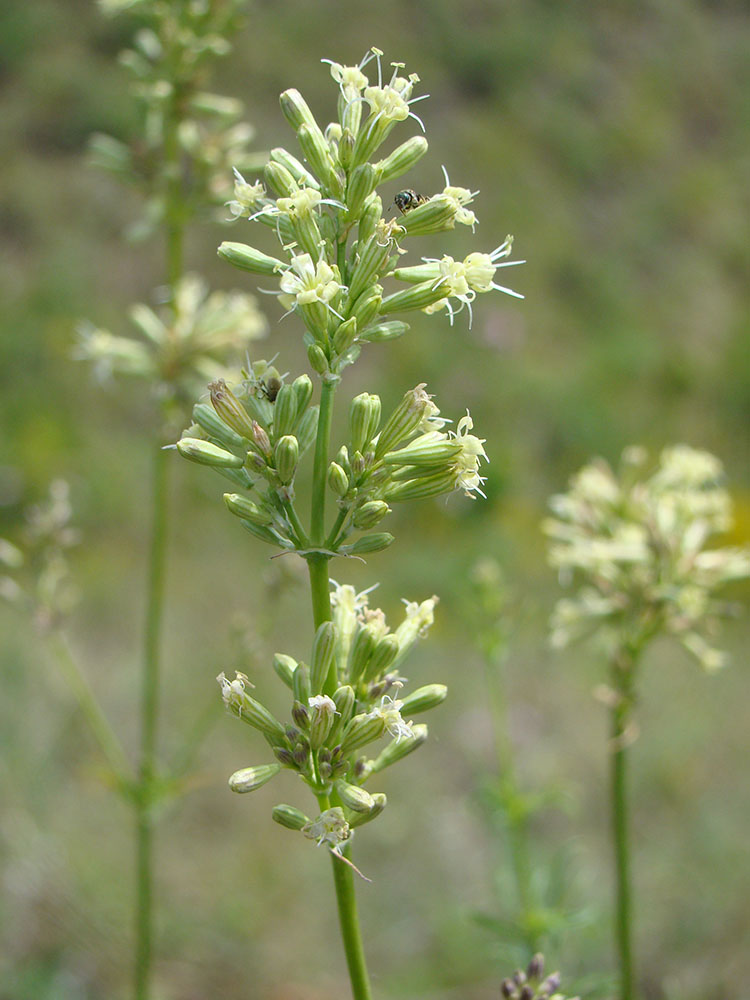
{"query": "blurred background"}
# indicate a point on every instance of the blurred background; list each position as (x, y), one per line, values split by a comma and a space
(612, 139)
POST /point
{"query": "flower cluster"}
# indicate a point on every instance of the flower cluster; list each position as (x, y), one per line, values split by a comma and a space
(182, 345)
(337, 249)
(532, 984)
(346, 699)
(168, 62)
(637, 545)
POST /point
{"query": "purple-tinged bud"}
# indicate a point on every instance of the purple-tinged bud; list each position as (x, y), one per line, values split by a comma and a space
(284, 756)
(552, 982)
(300, 715)
(507, 988)
(536, 966)
(527, 993)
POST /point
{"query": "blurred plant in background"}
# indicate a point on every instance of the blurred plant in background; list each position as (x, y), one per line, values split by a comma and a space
(533, 984)
(336, 249)
(635, 546)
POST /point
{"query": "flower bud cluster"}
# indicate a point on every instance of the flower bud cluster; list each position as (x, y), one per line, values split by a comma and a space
(168, 61)
(637, 546)
(345, 699)
(337, 249)
(181, 345)
(532, 984)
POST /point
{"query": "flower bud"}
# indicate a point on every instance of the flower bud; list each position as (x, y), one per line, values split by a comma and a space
(402, 159)
(354, 797)
(317, 358)
(267, 534)
(301, 683)
(284, 411)
(315, 148)
(322, 713)
(433, 485)
(435, 216)
(385, 652)
(247, 258)
(286, 456)
(205, 453)
(389, 330)
(362, 648)
(230, 409)
(248, 709)
(417, 297)
(399, 748)
(210, 421)
(364, 419)
(295, 109)
(536, 966)
(360, 731)
(303, 388)
(289, 817)
(284, 756)
(379, 802)
(246, 509)
(345, 335)
(367, 306)
(280, 179)
(345, 701)
(338, 480)
(426, 451)
(324, 646)
(358, 464)
(300, 715)
(249, 778)
(307, 428)
(260, 439)
(371, 259)
(371, 215)
(423, 699)
(361, 184)
(346, 145)
(367, 544)
(404, 420)
(370, 514)
(299, 172)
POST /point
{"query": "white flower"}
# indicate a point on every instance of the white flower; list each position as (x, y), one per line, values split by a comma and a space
(308, 282)
(232, 691)
(466, 464)
(330, 828)
(246, 197)
(389, 711)
(459, 197)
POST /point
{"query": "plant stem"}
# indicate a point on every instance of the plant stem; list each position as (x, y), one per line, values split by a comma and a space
(623, 666)
(343, 878)
(149, 723)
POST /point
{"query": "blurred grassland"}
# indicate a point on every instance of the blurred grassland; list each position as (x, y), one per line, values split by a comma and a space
(612, 139)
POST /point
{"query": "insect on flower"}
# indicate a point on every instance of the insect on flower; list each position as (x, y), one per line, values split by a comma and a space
(407, 200)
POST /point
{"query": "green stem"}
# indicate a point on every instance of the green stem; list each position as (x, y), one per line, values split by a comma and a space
(343, 880)
(620, 718)
(149, 723)
(320, 464)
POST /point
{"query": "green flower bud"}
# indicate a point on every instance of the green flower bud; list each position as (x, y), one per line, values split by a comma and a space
(285, 411)
(307, 429)
(371, 216)
(423, 699)
(322, 713)
(301, 683)
(417, 297)
(405, 419)
(280, 179)
(247, 258)
(246, 509)
(205, 453)
(317, 359)
(363, 646)
(385, 652)
(346, 145)
(210, 421)
(316, 149)
(249, 778)
(370, 514)
(398, 749)
(402, 159)
(360, 731)
(286, 457)
(361, 184)
(368, 543)
(289, 817)
(364, 419)
(354, 797)
(345, 335)
(303, 388)
(324, 646)
(371, 259)
(379, 802)
(338, 481)
(299, 172)
(435, 216)
(284, 667)
(345, 700)
(384, 331)
(295, 109)
(433, 485)
(343, 460)
(266, 534)
(307, 233)
(426, 451)
(230, 409)
(367, 306)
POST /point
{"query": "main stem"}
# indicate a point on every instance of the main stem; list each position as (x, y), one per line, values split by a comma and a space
(149, 724)
(343, 878)
(620, 718)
